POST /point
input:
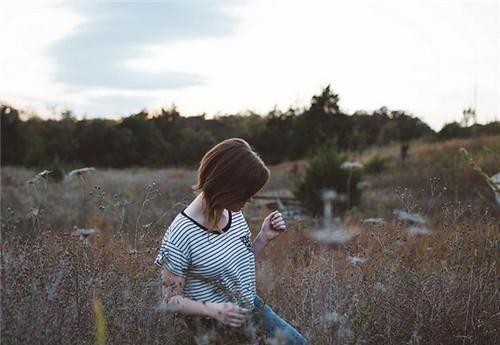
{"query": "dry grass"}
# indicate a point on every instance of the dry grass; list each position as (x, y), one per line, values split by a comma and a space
(440, 288)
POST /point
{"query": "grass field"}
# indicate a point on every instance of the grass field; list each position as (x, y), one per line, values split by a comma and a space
(390, 285)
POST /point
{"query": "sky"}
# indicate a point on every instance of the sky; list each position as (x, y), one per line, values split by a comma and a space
(113, 58)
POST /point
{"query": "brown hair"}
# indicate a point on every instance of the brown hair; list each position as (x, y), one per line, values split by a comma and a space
(230, 172)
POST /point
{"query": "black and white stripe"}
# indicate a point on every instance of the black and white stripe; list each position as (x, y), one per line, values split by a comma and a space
(216, 267)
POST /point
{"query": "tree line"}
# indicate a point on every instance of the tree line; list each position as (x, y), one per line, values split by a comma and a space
(167, 139)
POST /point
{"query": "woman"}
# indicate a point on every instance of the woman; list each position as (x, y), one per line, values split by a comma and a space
(207, 255)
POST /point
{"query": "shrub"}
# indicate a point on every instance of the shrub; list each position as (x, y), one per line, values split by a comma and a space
(57, 171)
(324, 171)
(376, 164)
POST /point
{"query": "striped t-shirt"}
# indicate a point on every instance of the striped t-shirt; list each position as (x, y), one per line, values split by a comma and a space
(216, 267)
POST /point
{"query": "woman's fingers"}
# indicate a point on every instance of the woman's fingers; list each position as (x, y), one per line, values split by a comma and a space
(236, 320)
(233, 315)
(273, 214)
(278, 223)
(237, 309)
(237, 316)
(234, 324)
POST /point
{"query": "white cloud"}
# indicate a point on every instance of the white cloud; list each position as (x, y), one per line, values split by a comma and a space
(26, 70)
(424, 57)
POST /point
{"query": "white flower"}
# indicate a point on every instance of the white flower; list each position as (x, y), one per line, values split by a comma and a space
(496, 180)
(45, 173)
(83, 233)
(332, 237)
(328, 194)
(373, 221)
(356, 260)
(410, 217)
(418, 231)
(38, 176)
(351, 165)
(363, 185)
(79, 172)
(33, 212)
(332, 316)
(344, 329)
(399, 243)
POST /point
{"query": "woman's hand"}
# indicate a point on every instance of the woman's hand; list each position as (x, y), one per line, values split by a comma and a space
(272, 227)
(228, 313)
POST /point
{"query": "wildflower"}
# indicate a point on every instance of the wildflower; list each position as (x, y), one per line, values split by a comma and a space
(493, 182)
(373, 221)
(45, 173)
(278, 338)
(363, 185)
(399, 243)
(351, 165)
(379, 287)
(79, 172)
(356, 260)
(332, 316)
(328, 194)
(495, 179)
(418, 231)
(34, 212)
(38, 176)
(83, 233)
(410, 217)
(344, 329)
(332, 237)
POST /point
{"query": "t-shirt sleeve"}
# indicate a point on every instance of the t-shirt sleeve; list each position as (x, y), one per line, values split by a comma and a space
(249, 233)
(172, 256)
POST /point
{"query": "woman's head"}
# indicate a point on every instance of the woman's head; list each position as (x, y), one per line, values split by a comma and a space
(230, 173)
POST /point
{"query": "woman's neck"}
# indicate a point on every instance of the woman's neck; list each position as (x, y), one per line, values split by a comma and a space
(195, 211)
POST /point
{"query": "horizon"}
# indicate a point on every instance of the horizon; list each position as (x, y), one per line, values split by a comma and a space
(26, 114)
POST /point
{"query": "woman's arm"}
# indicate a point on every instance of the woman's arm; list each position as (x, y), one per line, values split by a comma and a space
(272, 226)
(172, 287)
(227, 313)
(258, 244)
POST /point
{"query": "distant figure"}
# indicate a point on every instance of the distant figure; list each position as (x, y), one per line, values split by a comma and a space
(404, 151)
(208, 257)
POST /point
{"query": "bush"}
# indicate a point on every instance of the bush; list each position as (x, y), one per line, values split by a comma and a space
(376, 165)
(57, 171)
(324, 171)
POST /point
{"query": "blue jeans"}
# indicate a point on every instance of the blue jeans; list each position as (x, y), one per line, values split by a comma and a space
(264, 324)
(276, 326)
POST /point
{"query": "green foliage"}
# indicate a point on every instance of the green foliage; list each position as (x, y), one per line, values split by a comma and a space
(57, 171)
(168, 139)
(388, 133)
(276, 138)
(453, 130)
(456, 130)
(13, 145)
(376, 164)
(324, 171)
(197, 142)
